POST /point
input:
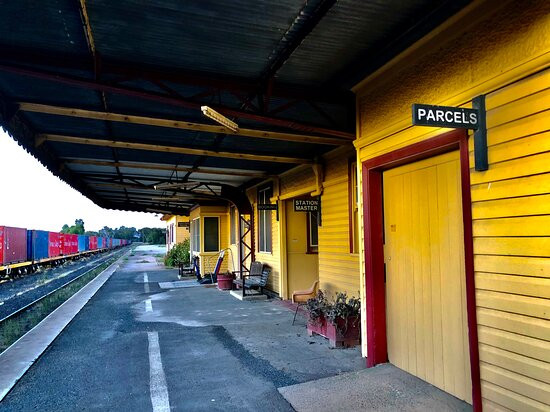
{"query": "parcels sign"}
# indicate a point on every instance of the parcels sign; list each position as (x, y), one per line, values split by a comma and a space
(445, 116)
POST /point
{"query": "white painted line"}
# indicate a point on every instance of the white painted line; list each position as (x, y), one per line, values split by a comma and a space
(157, 380)
(21, 355)
(148, 306)
(146, 282)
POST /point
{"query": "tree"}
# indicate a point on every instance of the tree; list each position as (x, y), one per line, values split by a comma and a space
(156, 236)
(76, 229)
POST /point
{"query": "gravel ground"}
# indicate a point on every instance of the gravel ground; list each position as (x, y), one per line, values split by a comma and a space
(22, 291)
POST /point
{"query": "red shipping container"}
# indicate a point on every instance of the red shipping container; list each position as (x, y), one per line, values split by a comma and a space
(54, 244)
(69, 244)
(93, 242)
(13, 245)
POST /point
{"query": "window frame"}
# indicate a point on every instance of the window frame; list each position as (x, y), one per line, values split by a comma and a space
(353, 206)
(232, 225)
(204, 234)
(265, 220)
(311, 247)
(196, 235)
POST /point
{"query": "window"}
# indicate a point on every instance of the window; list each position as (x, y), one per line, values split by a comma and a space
(196, 235)
(232, 228)
(353, 208)
(312, 233)
(211, 234)
(264, 217)
(172, 233)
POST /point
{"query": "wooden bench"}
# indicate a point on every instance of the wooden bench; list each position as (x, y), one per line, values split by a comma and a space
(255, 279)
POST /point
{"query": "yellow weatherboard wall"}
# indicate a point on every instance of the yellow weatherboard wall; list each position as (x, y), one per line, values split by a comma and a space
(338, 267)
(273, 258)
(181, 233)
(505, 55)
(208, 259)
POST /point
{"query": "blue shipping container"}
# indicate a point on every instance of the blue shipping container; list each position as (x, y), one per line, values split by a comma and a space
(82, 243)
(100, 242)
(40, 243)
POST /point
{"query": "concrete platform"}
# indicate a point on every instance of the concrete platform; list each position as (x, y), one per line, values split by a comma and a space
(383, 388)
(249, 295)
(136, 346)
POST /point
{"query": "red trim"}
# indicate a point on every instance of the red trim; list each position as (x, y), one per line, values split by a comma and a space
(470, 273)
(372, 169)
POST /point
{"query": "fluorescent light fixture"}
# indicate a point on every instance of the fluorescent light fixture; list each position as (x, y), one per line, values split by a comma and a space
(219, 118)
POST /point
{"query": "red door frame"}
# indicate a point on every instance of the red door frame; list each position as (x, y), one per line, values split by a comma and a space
(372, 169)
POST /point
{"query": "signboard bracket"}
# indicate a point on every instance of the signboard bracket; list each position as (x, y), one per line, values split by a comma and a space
(480, 136)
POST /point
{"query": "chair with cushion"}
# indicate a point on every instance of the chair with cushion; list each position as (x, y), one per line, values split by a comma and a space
(300, 297)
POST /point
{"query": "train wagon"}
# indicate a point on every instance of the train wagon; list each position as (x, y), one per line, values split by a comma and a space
(13, 245)
(54, 244)
(83, 243)
(37, 245)
(69, 244)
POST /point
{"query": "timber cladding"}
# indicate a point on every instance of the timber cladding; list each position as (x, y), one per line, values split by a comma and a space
(338, 268)
(302, 177)
(510, 202)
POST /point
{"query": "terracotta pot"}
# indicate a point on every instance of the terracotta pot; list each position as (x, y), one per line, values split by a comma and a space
(225, 281)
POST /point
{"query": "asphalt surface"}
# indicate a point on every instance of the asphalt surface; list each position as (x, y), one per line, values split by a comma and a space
(138, 347)
(101, 362)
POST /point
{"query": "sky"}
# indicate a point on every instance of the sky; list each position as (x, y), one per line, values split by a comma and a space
(33, 198)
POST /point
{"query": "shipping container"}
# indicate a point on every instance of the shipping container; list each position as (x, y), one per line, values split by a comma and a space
(54, 244)
(37, 248)
(83, 243)
(100, 242)
(69, 244)
(13, 245)
(110, 243)
(92, 243)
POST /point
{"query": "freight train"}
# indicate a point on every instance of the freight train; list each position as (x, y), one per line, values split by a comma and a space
(22, 251)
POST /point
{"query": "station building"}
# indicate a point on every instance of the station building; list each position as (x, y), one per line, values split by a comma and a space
(177, 229)
(451, 257)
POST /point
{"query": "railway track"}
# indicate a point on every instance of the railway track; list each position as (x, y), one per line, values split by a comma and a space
(27, 314)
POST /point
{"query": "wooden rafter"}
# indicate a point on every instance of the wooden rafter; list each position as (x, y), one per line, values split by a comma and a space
(176, 124)
(148, 166)
(166, 149)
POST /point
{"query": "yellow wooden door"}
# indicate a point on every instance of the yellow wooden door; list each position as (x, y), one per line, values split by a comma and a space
(427, 327)
(302, 267)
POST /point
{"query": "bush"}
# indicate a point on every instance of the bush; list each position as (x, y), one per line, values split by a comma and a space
(178, 255)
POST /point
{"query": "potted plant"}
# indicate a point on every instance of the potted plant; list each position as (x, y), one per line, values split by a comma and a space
(337, 320)
(317, 307)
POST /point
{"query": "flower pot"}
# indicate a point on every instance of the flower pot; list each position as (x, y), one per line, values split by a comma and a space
(338, 334)
(225, 281)
(317, 326)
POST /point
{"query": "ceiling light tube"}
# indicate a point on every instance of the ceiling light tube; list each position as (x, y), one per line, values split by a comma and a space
(219, 118)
